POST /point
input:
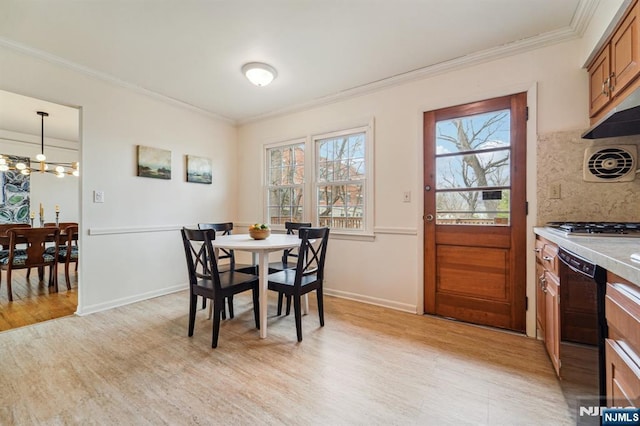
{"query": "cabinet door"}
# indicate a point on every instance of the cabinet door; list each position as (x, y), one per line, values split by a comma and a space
(552, 321)
(623, 376)
(599, 94)
(625, 52)
(540, 299)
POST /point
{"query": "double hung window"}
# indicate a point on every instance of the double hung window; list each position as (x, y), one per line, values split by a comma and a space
(325, 179)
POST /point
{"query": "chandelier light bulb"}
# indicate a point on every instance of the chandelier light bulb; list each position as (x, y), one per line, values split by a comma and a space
(21, 166)
(76, 172)
(41, 157)
(25, 171)
(3, 167)
(59, 169)
(3, 161)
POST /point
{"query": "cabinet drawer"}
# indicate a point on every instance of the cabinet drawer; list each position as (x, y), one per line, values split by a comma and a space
(623, 375)
(550, 258)
(622, 310)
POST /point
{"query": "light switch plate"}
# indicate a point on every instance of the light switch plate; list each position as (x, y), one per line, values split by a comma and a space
(98, 196)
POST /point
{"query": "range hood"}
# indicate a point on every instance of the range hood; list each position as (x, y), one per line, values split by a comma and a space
(622, 120)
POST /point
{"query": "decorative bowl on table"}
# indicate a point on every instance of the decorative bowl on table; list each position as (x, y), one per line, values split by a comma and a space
(259, 231)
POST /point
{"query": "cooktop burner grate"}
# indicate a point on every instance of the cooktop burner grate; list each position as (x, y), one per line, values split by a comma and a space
(630, 229)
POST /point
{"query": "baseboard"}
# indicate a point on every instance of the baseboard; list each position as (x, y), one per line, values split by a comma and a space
(92, 309)
(404, 307)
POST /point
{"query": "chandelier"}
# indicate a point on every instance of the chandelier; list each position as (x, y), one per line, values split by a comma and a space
(40, 164)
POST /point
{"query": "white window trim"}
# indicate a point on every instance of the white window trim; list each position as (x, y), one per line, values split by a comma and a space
(367, 231)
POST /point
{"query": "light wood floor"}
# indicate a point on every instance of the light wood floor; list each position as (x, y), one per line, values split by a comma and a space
(34, 301)
(368, 365)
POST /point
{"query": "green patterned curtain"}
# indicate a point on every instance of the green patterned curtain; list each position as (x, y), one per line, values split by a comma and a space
(14, 207)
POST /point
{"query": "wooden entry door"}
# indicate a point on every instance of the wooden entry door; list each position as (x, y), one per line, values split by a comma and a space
(475, 212)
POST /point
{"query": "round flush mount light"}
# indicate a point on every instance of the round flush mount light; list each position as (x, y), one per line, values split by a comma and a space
(259, 73)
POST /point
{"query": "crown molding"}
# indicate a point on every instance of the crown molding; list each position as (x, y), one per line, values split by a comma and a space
(21, 48)
(579, 23)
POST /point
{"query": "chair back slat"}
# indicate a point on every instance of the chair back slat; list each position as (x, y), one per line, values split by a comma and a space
(36, 240)
(200, 255)
(312, 252)
(291, 228)
(226, 228)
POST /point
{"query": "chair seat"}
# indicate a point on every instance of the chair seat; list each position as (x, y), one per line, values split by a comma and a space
(20, 259)
(230, 279)
(281, 266)
(284, 281)
(62, 253)
(5, 253)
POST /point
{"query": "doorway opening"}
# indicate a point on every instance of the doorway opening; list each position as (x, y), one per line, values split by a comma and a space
(41, 198)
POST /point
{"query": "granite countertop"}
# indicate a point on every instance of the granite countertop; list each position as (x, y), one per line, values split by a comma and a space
(611, 253)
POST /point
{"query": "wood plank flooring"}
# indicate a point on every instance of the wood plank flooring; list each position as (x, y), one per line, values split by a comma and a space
(368, 365)
(34, 301)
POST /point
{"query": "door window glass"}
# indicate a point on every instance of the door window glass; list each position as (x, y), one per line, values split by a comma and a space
(473, 163)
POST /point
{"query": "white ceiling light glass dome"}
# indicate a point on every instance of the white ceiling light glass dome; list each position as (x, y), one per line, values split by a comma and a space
(259, 73)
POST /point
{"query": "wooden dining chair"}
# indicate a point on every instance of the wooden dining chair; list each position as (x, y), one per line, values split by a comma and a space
(226, 228)
(288, 260)
(308, 274)
(206, 281)
(33, 255)
(50, 247)
(68, 250)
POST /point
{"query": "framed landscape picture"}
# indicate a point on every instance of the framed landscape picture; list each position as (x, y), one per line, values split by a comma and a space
(198, 169)
(154, 162)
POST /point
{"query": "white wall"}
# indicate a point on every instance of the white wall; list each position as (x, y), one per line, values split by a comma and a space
(130, 245)
(388, 271)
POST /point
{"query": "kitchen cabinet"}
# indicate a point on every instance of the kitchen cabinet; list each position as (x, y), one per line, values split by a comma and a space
(552, 319)
(548, 298)
(622, 348)
(617, 66)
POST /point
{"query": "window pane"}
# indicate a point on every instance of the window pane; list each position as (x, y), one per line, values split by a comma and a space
(474, 132)
(473, 207)
(480, 169)
(356, 169)
(285, 179)
(275, 157)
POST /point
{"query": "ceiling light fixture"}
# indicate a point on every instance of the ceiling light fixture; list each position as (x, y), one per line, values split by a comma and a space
(59, 169)
(259, 73)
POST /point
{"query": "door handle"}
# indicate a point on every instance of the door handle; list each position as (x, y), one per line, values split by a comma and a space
(429, 217)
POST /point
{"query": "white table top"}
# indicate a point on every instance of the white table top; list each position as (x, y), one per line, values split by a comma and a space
(245, 242)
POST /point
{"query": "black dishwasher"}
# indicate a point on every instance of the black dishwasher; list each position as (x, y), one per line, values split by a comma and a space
(583, 330)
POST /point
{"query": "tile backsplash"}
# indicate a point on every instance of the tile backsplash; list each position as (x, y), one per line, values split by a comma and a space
(560, 160)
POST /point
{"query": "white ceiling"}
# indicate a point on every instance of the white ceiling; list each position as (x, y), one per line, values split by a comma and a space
(191, 51)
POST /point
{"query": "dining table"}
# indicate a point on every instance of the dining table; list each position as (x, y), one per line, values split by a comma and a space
(260, 250)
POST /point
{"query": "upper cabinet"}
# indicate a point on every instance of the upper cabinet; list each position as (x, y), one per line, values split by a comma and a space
(616, 68)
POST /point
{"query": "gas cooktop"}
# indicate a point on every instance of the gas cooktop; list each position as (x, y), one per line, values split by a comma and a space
(598, 229)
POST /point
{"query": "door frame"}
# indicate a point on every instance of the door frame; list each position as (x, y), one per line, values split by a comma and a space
(531, 184)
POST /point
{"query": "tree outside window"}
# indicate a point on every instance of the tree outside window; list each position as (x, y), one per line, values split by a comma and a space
(340, 181)
(285, 183)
